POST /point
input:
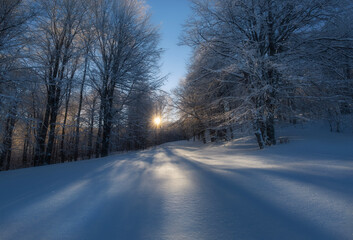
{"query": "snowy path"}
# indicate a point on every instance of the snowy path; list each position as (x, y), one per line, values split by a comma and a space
(185, 191)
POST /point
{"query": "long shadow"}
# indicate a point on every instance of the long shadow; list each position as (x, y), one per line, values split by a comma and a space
(131, 214)
(119, 199)
(247, 214)
(338, 185)
(109, 204)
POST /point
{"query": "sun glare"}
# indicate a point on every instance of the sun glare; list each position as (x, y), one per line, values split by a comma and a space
(157, 121)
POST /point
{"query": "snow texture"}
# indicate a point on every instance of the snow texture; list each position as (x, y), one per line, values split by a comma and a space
(186, 190)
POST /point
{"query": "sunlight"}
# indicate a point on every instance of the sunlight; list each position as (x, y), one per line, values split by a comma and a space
(157, 121)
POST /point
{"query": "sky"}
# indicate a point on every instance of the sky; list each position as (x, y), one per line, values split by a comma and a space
(170, 15)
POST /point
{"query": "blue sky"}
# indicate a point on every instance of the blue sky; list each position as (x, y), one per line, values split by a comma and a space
(170, 15)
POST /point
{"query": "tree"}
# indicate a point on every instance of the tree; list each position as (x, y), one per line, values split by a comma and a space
(13, 18)
(56, 30)
(125, 53)
(69, 74)
(255, 47)
(139, 117)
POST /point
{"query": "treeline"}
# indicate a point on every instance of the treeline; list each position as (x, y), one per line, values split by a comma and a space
(259, 63)
(78, 79)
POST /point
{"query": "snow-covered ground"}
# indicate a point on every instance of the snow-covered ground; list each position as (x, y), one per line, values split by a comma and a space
(186, 190)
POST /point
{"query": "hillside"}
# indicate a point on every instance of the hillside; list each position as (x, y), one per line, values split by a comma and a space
(186, 190)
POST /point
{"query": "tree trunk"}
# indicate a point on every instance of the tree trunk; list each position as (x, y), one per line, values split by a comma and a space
(259, 133)
(270, 130)
(52, 124)
(26, 145)
(107, 126)
(5, 156)
(62, 143)
(259, 138)
(99, 133)
(90, 135)
(77, 135)
(42, 132)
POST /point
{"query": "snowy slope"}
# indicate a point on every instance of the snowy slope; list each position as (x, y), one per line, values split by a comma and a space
(186, 190)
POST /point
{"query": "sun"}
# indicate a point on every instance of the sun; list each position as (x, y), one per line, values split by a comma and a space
(157, 121)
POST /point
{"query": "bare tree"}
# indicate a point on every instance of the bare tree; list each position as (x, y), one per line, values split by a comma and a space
(13, 18)
(102, 53)
(125, 53)
(57, 29)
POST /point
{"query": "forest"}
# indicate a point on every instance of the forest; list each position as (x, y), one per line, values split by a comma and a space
(81, 79)
(258, 64)
(78, 79)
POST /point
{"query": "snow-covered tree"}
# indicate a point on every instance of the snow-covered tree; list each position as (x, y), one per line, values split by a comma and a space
(55, 31)
(258, 56)
(124, 54)
(70, 73)
(14, 16)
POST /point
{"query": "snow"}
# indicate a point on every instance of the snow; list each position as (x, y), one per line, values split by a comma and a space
(187, 190)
